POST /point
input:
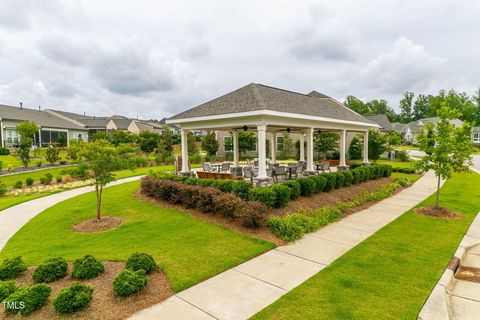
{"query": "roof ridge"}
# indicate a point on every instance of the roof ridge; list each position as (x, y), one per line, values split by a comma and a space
(257, 95)
(280, 89)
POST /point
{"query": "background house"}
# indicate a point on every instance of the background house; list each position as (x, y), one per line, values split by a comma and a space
(476, 136)
(411, 129)
(381, 120)
(52, 127)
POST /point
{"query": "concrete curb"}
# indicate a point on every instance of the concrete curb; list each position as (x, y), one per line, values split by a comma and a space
(437, 306)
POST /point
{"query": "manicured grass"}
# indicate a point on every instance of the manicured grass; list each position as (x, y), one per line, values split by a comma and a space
(188, 249)
(391, 274)
(411, 176)
(36, 175)
(397, 164)
(407, 147)
(15, 162)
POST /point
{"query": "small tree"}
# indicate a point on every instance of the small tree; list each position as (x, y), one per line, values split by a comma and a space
(210, 143)
(62, 140)
(192, 144)
(448, 148)
(326, 142)
(165, 147)
(355, 149)
(117, 137)
(148, 141)
(377, 144)
(26, 130)
(101, 158)
(288, 146)
(53, 153)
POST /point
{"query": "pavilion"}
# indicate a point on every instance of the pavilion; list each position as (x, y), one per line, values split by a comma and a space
(269, 110)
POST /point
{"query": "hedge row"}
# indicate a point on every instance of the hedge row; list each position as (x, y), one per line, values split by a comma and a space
(207, 199)
(404, 170)
(293, 226)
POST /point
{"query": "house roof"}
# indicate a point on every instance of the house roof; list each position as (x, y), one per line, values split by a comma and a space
(171, 125)
(40, 117)
(317, 94)
(255, 97)
(381, 120)
(87, 121)
(122, 124)
(400, 127)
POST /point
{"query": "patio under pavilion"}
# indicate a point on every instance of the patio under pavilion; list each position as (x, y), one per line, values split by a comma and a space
(268, 111)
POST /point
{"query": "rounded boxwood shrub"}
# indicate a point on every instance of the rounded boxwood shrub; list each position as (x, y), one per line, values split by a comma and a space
(31, 298)
(141, 261)
(227, 204)
(331, 181)
(224, 185)
(129, 282)
(242, 189)
(348, 177)
(6, 289)
(72, 299)
(294, 186)
(87, 267)
(12, 268)
(282, 195)
(320, 181)
(340, 180)
(265, 195)
(307, 186)
(53, 269)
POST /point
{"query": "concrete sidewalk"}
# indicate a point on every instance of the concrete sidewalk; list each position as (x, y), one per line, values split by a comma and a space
(241, 292)
(13, 218)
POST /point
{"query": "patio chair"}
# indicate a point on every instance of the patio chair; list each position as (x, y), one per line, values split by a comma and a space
(280, 172)
(206, 167)
(236, 172)
(248, 173)
(270, 173)
(225, 166)
(325, 166)
(295, 171)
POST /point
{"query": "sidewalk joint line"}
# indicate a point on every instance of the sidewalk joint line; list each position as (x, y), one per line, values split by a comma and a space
(248, 275)
(323, 264)
(211, 315)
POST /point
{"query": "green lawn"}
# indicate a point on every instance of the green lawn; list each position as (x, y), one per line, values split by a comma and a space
(15, 162)
(397, 164)
(411, 176)
(188, 249)
(11, 179)
(391, 274)
(407, 147)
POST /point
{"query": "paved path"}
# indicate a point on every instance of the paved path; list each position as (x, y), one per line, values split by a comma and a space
(13, 218)
(241, 292)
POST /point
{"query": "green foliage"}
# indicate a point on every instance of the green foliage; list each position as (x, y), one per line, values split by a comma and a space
(62, 140)
(141, 261)
(3, 189)
(265, 195)
(87, 267)
(448, 148)
(355, 149)
(295, 188)
(402, 155)
(52, 154)
(6, 289)
(53, 269)
(331, 181)
(340, 179)
(242, 189)
(4, 151)
(377, 144)
(192, 144)
(210, 143)
(47, 178)
(129, 282)
(165, 148)
(288, 147)
(117, 137)
(75, 298)
(282, 195)
(12, 268)
(307, 186)
(148, 141)
(32, 298)
(18, 184)
(406, 107)
(26, 130)
(325, 143)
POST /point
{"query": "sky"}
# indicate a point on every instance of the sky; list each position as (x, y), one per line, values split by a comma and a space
(153, 59)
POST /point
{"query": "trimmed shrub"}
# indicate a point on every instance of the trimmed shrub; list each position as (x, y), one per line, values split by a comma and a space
(252, 215)
(355, 165)
(286, 228)
(129, 282)
(307, 186)
(331, 181)
(340, 180)
(12, 268)
(87, 267)
(6, 289)
(402, 155)
(29, 181)
(141, 261)
(265, 195)
(282, 195)
(46, 179)
(227, 205)
(18, 184)
(73, 299)
(32, 298)
(53, 269)
(242, 189)
(3, 189)
(295, 188)
(320, 182)
(224, 185)
(4, 151)
(348, 177)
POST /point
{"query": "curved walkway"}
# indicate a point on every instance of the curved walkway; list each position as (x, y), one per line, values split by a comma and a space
(14, 218)
(242, 291)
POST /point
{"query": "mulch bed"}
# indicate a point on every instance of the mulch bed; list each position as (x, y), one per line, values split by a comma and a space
(344, 194)
(105, 305)
(468, 274)
(311, 202)
(94, 225)
(437, 212)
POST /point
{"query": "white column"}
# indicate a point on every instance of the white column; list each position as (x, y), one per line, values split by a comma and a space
(365, 147)
(302, 147)
(183, 135)
(310, 149)
(262, 157)
(273, 147)
(235, 148)
(343, 141)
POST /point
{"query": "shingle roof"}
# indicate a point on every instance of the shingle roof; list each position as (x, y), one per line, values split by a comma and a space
(400, 127)
(317, 94)
(254, 97)
(381, 120)
(87, 121)
(41, 118)
(122, 124)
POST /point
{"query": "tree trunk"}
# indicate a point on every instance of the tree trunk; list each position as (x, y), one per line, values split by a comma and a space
(438, 193)
(98, 192)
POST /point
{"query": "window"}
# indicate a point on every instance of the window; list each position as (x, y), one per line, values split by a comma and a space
(227, 144)
(279, 143)
(476, 137)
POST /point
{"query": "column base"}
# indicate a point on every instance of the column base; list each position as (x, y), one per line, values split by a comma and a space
(366, 164)
(262, 181)
(310, 172)
(342, 168)
(186, 174)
